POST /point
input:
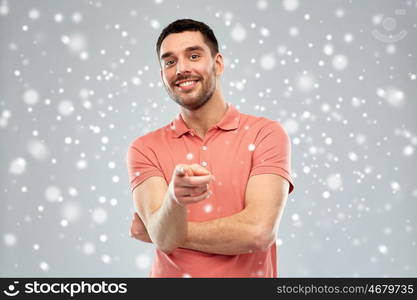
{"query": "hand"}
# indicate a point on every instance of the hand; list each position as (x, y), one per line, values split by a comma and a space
(190, 184)
(138, 229)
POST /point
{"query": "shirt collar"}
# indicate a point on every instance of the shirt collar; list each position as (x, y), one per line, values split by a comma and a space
(229, 121)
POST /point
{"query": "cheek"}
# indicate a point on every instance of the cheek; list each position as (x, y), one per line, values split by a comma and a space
(167, 78)
(206, 73)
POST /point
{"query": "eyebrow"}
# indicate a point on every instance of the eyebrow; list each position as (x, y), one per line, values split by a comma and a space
(188, 49)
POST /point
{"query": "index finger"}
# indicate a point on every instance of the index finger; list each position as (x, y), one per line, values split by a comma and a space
(191, 181)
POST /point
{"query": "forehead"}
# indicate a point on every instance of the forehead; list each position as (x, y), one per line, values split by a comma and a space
(178, 42)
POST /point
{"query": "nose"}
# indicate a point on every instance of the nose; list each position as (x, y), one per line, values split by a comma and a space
(182, 67)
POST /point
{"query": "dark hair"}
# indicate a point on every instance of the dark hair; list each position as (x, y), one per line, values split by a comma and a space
(182, 25)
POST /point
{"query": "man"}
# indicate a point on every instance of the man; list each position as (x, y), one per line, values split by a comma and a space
(210, 187)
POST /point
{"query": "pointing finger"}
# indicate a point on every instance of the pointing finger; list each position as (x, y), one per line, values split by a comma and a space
(196, 180)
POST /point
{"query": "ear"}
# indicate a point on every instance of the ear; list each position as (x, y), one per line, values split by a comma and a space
(219, 63)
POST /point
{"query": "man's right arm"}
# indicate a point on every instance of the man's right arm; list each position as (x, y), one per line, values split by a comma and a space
(164, 218)
(163, 208)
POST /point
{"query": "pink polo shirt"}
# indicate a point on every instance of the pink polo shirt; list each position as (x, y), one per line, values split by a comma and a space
(237, 147)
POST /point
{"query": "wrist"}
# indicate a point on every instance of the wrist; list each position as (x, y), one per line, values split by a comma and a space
(175, 200)
(172, 197)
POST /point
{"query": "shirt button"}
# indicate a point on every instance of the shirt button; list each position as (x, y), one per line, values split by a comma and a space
(204, 164)
(204, 148)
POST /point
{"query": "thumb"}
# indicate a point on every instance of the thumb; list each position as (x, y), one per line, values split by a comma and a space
(199, 170)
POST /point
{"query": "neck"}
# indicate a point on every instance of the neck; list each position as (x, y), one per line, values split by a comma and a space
(202, 119)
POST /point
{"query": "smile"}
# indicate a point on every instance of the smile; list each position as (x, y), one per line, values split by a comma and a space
(187, 85)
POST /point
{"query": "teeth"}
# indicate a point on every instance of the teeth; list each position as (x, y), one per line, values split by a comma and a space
(186, 83)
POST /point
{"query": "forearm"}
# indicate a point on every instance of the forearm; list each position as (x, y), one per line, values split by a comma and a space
(167, 226)
(230, 235)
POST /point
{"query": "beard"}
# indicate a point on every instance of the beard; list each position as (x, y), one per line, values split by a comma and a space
(202, 93)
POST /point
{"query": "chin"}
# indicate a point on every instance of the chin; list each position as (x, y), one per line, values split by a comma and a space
(191, 104)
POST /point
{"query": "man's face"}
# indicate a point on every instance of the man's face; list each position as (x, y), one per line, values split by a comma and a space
(188, 70)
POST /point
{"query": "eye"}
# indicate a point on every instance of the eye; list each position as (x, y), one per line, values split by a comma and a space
(169, 62)
(194, 56)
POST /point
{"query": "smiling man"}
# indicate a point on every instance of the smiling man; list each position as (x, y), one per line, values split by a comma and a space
(209, 188)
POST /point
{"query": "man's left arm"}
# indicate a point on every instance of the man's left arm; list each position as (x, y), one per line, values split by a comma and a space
(255, 227)
(252, 229)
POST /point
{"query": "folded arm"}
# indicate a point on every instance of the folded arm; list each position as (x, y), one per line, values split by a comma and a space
(252, 229)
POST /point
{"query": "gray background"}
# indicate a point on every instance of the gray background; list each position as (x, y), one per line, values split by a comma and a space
(79, 80)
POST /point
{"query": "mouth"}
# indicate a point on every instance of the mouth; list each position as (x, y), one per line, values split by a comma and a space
(186, 85)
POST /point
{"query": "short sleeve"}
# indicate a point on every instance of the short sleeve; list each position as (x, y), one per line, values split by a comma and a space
(142, 163)
(272, 153)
